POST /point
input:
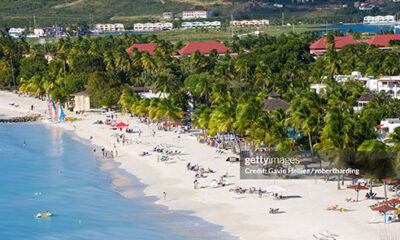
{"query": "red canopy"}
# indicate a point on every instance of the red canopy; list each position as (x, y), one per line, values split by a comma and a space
(177, 123)
(121, 124)
(357, 187)
(384, 208)
(391, 201)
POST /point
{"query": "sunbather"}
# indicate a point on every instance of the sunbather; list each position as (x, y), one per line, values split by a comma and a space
(273, 210)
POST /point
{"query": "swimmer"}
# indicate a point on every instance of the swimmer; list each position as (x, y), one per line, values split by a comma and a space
(24, 144)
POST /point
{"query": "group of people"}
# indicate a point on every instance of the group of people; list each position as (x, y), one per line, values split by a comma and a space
(250, 190)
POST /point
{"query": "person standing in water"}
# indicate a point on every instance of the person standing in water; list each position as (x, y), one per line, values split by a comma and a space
(24, 144)
(165, 196)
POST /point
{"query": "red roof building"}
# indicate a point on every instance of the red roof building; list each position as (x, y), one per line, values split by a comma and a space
(204, 48)
(143, 47)
(340, 42)
(382, 40)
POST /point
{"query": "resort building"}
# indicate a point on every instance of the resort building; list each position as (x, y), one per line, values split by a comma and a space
(197, 13)
(153, 26)
(366, 6)
(108, 27)
(319, 47)
(168, 15)
(204, 48)
(143, 47)
(274, 102)
(363, 100)
(82, 101)
(51, 32)
(16, 32)
(389, 19)
(189, 25)
(387, 126)
(388, 84)
(381, 41)
(249, 23)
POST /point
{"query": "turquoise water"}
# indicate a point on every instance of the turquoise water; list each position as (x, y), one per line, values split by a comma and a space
(82, 198)
(361, 28)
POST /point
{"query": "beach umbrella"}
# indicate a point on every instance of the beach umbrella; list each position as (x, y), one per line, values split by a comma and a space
(275, 189)
(121, 124)
(384, 209)
(357, 187)
(392, 202)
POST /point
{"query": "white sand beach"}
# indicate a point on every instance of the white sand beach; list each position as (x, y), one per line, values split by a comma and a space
(245, 216)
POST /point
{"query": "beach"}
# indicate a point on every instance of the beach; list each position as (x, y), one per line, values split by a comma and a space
(246, 216)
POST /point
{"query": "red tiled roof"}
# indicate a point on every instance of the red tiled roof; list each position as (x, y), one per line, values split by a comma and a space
(198, 10)
(203, 48)
(382, 40)
(339, 43)
(146, 47)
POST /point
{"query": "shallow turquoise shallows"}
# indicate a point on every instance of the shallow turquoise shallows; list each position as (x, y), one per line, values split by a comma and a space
(55, 172)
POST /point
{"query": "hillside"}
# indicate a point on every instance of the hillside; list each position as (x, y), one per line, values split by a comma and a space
(66, 12)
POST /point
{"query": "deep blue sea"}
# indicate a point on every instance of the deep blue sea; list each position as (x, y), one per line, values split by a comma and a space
(82, 198)
(361, 28)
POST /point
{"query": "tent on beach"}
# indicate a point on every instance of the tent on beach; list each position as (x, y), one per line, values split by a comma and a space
(358, 188)
(384, 209)
(121, 124)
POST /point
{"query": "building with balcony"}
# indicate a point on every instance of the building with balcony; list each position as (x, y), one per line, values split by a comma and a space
(168, 15)
(389, 19)
(190, 25)
(109, 27)
(160, 26)
(386, 127)
(16, 32)
(249, 23)
(388, 84)
(197, 13)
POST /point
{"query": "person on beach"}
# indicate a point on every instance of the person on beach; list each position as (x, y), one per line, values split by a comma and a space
(140, 132)
(154, 133)
(105, 155)
(116, 153)
(112, 154)
(32, 107)
(195, 184)
(165, 196)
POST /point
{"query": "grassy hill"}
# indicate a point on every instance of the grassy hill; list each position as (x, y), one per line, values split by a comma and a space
(60, 12)
(65, 12)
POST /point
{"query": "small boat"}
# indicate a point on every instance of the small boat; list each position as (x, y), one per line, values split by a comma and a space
(45, 214)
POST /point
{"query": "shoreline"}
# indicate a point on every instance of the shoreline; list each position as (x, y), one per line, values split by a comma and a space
(245, 217)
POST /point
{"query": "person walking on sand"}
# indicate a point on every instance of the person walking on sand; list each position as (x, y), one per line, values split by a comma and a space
(195, 184)
(165, 196)
(116, 153)
(112, 154)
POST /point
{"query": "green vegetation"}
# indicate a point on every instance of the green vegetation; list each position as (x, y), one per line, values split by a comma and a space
(227, 93)
(86, 12)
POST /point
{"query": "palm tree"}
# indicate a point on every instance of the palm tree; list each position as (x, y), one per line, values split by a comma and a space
(394, 139)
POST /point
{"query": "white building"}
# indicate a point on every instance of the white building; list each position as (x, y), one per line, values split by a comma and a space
(366, 7)
(249, 23)
(187, 25)
(82, 101)
(388, 84)
(197, 13)
(152, 26)
(168, 15)
(16, 32)
(387, 126)
(379, 19)
(108, 27)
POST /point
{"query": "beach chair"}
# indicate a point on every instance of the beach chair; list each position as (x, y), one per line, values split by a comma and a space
(374, 221)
